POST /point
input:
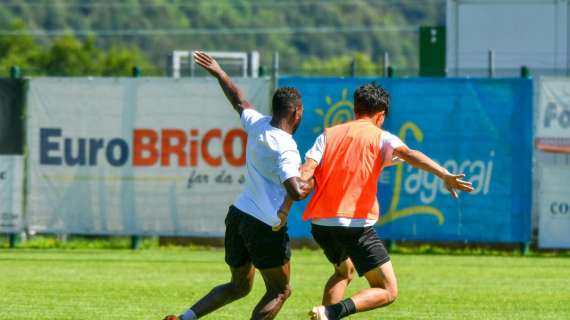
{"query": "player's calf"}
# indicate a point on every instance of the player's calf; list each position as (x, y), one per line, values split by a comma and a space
(337, 283)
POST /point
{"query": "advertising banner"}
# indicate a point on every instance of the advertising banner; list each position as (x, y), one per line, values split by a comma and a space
(554, 207)
(135, 156)
(12, 94)
(11, 182)
(553, 115)
(480, 127)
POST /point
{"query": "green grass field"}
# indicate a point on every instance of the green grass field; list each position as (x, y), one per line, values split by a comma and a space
(147, 284)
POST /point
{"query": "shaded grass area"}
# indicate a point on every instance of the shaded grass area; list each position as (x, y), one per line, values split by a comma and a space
(147, 284)
(402, 247)
(80, 242)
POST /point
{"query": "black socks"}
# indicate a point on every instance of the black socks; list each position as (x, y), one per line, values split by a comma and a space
(341, 309)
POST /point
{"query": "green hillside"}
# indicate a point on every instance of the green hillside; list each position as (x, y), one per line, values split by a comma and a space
(310, 35)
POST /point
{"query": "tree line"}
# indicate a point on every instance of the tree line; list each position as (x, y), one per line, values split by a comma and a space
(83, 37)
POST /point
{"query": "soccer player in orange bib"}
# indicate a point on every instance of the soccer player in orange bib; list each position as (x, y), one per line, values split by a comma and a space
(346, 162)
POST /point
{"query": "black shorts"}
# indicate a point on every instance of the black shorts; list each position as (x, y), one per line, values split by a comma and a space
(250, 240)
(362, 245)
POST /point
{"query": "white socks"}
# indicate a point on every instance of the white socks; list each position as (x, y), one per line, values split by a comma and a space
(189, 315)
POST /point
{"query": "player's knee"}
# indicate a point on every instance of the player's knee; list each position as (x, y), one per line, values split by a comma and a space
(241, 289)
(287, 292)
(391, 290)
(347, 274)
(393, 294)
(350, 274)
(283, 292)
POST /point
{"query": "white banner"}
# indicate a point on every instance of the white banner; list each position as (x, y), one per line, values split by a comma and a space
(11, 182)
(554, 207)
(553, 118)
(135, 156)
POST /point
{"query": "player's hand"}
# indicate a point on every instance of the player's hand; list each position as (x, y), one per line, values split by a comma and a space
(207, 62)
(282, 214)
(453, 183)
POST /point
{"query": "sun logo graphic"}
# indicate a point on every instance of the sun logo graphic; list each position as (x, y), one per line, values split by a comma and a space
(336, 113)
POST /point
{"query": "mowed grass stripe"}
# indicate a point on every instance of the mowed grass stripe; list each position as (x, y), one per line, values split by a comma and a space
(111, 284)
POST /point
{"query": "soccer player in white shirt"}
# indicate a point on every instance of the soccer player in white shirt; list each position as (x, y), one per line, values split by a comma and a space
(255, 235)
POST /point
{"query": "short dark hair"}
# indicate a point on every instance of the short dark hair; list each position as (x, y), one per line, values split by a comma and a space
(285, 100)
(370, 99)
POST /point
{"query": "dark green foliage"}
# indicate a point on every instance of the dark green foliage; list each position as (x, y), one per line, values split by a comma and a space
(325, 32)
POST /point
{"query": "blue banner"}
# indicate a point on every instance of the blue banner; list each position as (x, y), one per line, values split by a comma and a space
(481, 127)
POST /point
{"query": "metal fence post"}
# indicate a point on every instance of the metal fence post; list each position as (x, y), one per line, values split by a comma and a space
(525, 72)
(136, 72)
(12, 240)
(525, 248)
(391, 245)
(15, 73)
(136, 239)
(275, 71)
(491, 68)
(390, 72)
(135, 242)
(386, 63)
(262, 71)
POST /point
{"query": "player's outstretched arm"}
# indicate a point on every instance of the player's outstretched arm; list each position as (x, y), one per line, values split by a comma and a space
(231, 90)
(417, 159)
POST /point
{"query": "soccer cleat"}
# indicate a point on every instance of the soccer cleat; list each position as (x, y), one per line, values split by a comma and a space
(319, 313)
(171, 317)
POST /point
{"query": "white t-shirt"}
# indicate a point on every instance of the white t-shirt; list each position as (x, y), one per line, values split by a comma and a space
(388, 142)
(271, 158)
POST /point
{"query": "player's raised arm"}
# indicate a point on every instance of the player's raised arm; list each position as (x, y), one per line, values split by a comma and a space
(419, 160)
(231, 90)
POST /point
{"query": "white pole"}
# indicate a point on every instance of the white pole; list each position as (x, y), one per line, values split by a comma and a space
(386, 63)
